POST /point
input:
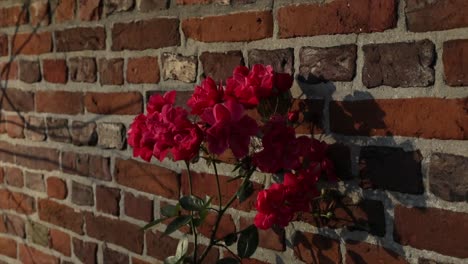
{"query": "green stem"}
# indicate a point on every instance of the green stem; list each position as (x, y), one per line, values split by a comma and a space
(194, 230)
(218, 185)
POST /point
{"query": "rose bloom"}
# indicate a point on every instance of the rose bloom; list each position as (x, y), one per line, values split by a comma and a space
(205, 95)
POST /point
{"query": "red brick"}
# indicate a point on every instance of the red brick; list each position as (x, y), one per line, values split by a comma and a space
(337, 17)
(8, 70)
(85, 251)
(123, 103)
(14, 125)
(138, 207)
(32, 43)
(2, 175)
(61, 215)
(90, 10)
(86, 165)
(60, 241)
(19, 202)
(455, 58)
(111, 71)
(425, 15)
(56, 188)
(115, 231)
(282, 60)
(313, 248)
(82, 194)
(141, 35)
(273, 238)
(219, 66)
(14, 177)
(107, 200)
(39, 13)
(418, 227)
(55, 70)
(3, 45)
(160, 246)
(83, 69)
(82, 38)
(38, 158)
(143, 70)
(356, 252)
(8, 247)
(226, 226)
(147, 178)
(64, 11)
(63, 102)
(7, 153)
(30, 255)
(17, 100)
(14, 225)
(139, 261)
(230, 27)
(12, 16)
(30, 71)
(112, 256)
(419, 117)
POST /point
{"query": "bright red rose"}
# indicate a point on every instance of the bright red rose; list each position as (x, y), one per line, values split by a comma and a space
(261, 77)
(205, 95)
(157, 101)
(272, 208)
(135, 135)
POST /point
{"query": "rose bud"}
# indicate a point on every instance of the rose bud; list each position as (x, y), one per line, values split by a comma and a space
(293, 116)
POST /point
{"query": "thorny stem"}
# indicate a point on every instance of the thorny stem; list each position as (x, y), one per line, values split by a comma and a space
(192, 224)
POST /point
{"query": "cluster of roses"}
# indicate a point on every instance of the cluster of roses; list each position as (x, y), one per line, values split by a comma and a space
(222, 122)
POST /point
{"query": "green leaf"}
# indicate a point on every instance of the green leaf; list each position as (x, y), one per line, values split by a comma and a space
(230, 239)
(153, 223)
(170, 210)
(192, 203)
(182, 248)
(248, 242)
(177, 223)
(245, 191)
(228, 261)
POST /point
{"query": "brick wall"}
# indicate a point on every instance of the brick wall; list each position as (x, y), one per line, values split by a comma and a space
(385, 81)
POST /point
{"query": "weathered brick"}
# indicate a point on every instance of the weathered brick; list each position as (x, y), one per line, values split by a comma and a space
(178, 67)
(64, 10)
(119, 103)
(143, 70)
(85, 251)
(417, 227)
(425, 15)
(32, 43)
(337, 17)
(3, 45)
(82, 194)
(83, 69)
(112, 6)
(34, 181)
(7, 153)
(86, 165)
(15, 225)
(328, 64)
(147, 178)
(83, 133)
(99, 167)
(219, 65)
(356, 252)
(151, 5)
(378, 170)
(55, 70)
(230, 27)
(61, 215)
(282, 60)
(12, 16)
(19, 202)
(8, 247)
(37, 233)
(14, 125)
(17, 100)
(160, 246)
(14, 176)
(448, 177)
(56, 188)
(57, 129)
(455, 59)
(8, 70)
(312, 248)
(112, 256)
(111, 71)
(128, 236)
(30, 71)
(63, 102)
(30, 255)
(107, 200)
(399, 64)
(77, 39)
(138, 207)
(39, 13)
(37, 158)
(141, 35)
(417, 117)
(90, 10)
(35, 129)
(60, 241)
(111, 135)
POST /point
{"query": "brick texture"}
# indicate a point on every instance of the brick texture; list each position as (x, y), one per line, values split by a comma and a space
(448, 176)
(32, 43)
(143, 70)
(76, 39)
(123, 103)
(455, 62)
(428, 15)
(218, 65)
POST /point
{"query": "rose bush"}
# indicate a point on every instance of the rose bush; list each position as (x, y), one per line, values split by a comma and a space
(220, 120)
